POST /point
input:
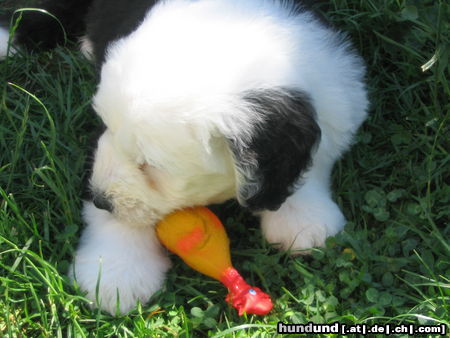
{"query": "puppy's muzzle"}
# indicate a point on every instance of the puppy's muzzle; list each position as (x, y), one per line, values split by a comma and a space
(102, 202)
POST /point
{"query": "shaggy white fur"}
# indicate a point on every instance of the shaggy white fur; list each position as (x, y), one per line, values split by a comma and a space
(170, 92)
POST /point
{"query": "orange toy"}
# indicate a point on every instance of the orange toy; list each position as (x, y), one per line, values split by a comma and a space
(199, 238)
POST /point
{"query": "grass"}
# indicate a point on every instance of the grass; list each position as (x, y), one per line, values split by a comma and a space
(390, 265)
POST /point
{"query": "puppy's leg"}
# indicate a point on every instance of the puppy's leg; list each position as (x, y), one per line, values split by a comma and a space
(308, 216)
(117, 264)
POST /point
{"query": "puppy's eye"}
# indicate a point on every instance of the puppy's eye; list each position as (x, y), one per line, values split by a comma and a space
(148, 171)
(146, 166)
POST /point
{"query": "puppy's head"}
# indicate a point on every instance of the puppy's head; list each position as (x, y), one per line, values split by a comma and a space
(141, 174)
(253, 146)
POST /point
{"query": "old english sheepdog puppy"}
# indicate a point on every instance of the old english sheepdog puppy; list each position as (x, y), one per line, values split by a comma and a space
(204, 101)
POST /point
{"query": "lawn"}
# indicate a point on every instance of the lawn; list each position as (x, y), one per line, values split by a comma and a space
(391, 264)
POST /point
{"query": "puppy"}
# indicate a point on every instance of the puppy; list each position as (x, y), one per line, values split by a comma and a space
(205, 101)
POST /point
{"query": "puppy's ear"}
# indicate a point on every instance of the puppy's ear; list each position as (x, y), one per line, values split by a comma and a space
(270, 161)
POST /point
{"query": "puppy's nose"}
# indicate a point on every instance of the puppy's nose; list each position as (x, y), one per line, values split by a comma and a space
(102, 202)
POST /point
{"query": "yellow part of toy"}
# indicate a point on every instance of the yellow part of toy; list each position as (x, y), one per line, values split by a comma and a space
(199, 238)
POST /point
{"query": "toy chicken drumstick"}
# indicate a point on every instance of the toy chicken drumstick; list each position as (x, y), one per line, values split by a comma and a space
(199, 238)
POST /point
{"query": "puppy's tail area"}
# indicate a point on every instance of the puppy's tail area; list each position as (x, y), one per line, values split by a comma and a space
(51, 23)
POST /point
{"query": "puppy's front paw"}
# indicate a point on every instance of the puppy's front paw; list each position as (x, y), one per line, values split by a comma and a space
(116, 264)
(302, 224)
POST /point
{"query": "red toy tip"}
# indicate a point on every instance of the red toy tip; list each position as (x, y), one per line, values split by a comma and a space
(243, 297)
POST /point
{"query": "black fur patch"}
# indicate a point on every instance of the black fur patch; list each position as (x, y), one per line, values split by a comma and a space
(280, 149)
(109, 20)
(38, 29)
